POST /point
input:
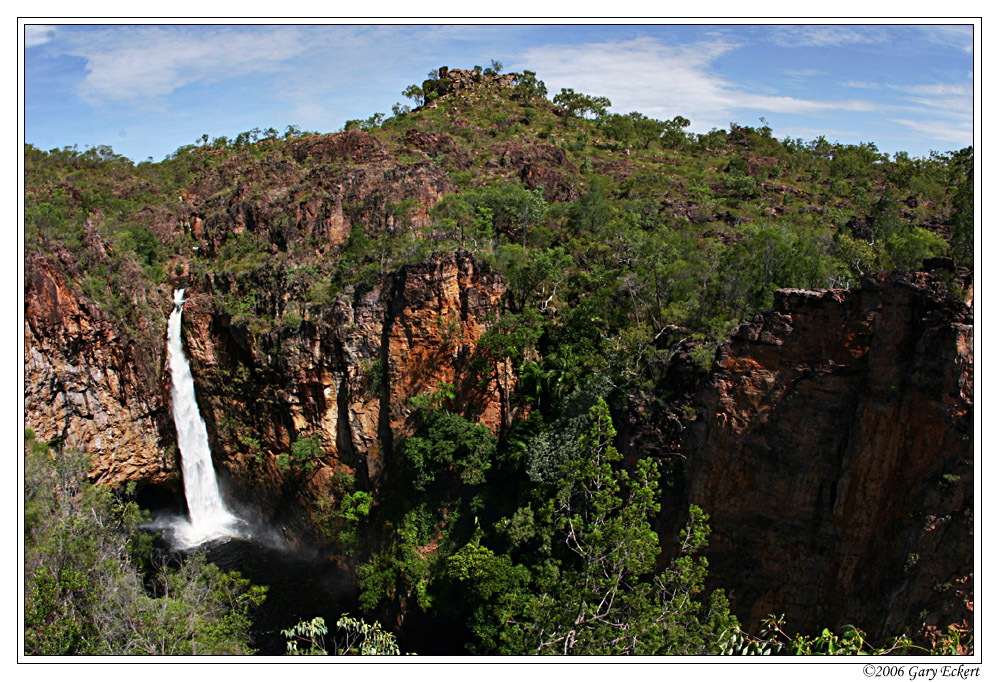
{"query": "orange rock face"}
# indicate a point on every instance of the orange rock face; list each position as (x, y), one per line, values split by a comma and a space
(84, 387)
(834, 454)
(348, 376)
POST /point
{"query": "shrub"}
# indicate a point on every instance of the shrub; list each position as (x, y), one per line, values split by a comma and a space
(85, 588)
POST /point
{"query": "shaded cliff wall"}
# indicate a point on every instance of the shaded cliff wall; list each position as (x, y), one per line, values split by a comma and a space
(834, 453)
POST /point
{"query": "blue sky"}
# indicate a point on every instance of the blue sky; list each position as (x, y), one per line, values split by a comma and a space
(146, 90)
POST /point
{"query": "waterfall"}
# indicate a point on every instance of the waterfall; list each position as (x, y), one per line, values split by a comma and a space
(208, 516)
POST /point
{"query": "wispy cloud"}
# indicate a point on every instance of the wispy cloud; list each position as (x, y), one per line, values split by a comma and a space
(641, 74)
(142, 66)
(864, 85)
(795, 105)
(38, 34)
(152, 62)
(957, 36)
(798, 78)
(949, 132)
(950, 100)
(663, 80)
(801, 73)
(826, 36)
(938, 89)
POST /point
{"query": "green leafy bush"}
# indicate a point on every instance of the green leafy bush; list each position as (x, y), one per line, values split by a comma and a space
(358, 638)
(87, 569)
(445, 442)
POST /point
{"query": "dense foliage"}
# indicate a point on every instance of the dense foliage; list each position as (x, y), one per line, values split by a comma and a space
(588, 582)
(622, 239)
(90, 586)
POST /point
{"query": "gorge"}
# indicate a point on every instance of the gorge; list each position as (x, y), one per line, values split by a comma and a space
(397, 340)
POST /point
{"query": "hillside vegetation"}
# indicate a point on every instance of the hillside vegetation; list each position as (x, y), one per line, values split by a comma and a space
(625, 243)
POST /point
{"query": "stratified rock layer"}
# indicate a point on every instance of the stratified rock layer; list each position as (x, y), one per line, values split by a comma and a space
(347, 376)
(84, 387)
(834, 454)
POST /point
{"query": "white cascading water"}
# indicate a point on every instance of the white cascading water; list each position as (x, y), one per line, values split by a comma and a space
(208, 516)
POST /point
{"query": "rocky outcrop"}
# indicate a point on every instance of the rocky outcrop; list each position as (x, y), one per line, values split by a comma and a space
(834, 453)
(539, 166)
(346, 376)
(439, 145)
(353, 146)
(88, 385)
(467, 80)
(339, 181)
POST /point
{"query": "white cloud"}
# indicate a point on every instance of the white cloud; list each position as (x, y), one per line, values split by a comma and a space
(795, 105)
(944, 131)
(142, 63)
(801, 73)
(663, 80)
(38, 34)
(941, 99)
(826, 36)
(956, 36)
(957, 106)
(938, 89)
(860, 84)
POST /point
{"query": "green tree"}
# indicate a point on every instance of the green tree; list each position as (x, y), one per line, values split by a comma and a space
(961, 221)
(511, 207)
(529, 87)
(490, 584)
(532, 277)
(619, 127)
(502, 349)
(340, 513)
(576, 104)
(447, 442)
(416, 93)
(306, 450)
(602, 596)
(673, 133)
(908, 248)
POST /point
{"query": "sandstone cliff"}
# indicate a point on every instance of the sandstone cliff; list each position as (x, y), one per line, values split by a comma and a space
(834, 453)
(831, 442)
(346, 376)
(90, 385)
